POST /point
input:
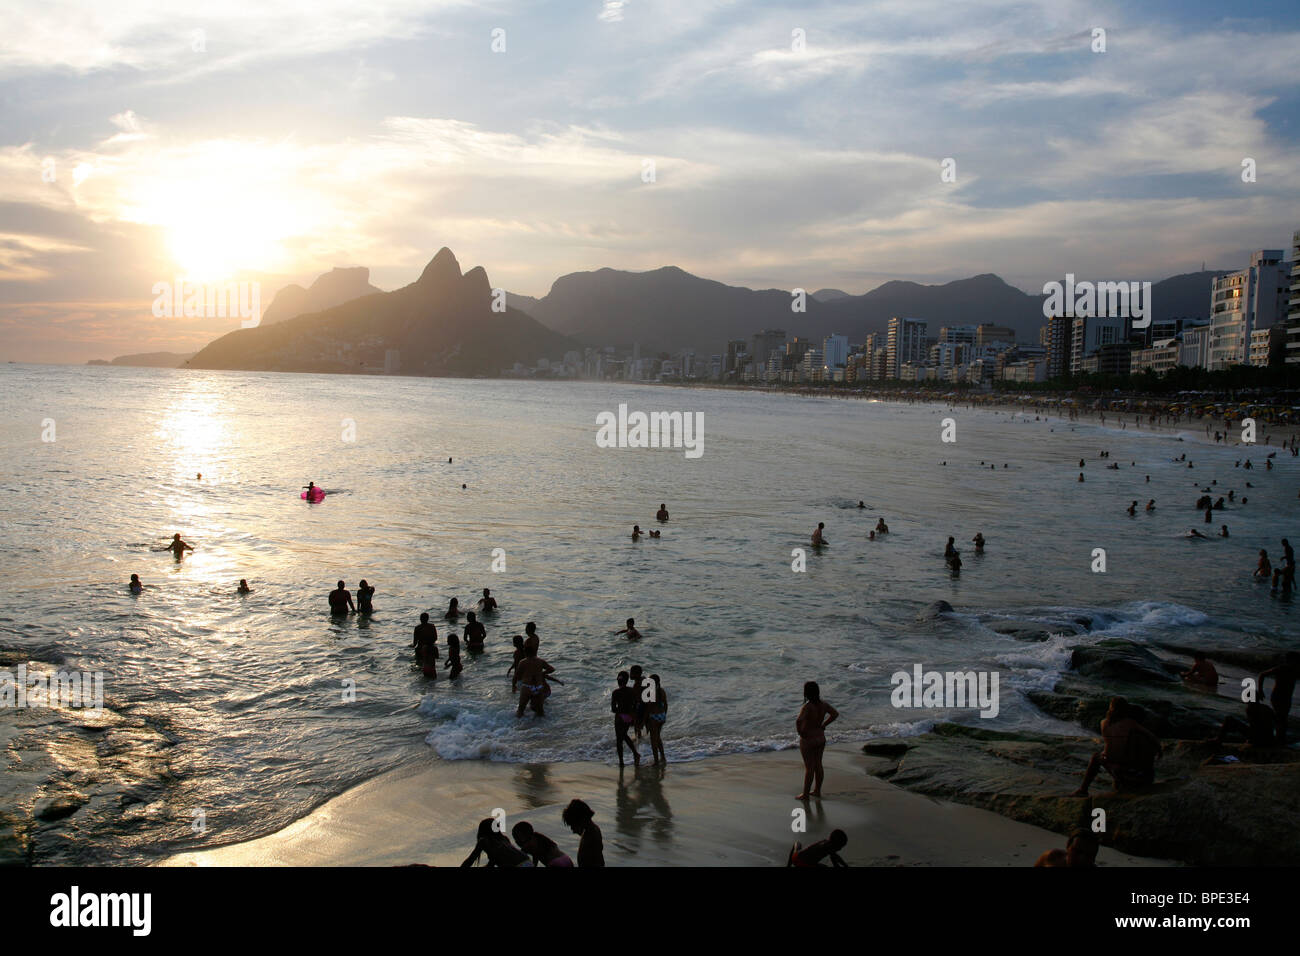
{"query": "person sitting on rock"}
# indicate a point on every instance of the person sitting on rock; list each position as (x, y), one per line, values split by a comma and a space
(1129, 752)
(1258, 727)
(1202, 672)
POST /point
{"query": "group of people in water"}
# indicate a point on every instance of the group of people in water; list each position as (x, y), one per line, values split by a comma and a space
(951, 556)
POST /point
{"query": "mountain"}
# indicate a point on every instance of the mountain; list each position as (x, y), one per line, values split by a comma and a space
(147, 360)
(333, 288)
(441, 324)
(826, 295)
(666, 309)
(524, 303)
(1185, 296)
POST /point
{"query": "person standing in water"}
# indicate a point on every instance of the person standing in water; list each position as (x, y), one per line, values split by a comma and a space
(662, 513)
(814, 717)
(979, 542)
(656, 713)
(364, 595)
(817, 539)
(341, 600)
(475, 632)
(622, 704)
(531, 675)
(487, 603)
(518, 641)
(426, 645)
(135, 586)
(243, 586)
(178, 547)
(453, 656)
(453, 610)
(632, 633)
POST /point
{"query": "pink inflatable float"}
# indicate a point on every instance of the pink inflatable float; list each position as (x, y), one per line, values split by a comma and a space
(313, 494)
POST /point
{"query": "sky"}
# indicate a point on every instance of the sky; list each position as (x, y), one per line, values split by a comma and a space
(760, 144)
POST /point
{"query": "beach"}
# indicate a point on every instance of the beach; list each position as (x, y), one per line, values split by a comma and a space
(725, 811)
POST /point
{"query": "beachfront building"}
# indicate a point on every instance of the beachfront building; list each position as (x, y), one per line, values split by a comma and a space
(1159, 358)
(835, 351)
(1091, 333)
(1026, 370)
(1059, 337)
(1241, 302)
(763, 344)
(906, 342)
(945, 355)
(957, 335)
(990, 336)
(1293, 305)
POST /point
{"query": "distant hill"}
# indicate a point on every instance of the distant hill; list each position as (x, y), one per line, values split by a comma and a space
(827, 295)
(441, 324)
(147, 360)
(524, 303)
(333, 288)
(1184, 296)
(666, 309)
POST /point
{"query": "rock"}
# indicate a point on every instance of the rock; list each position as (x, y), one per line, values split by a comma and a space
(1120, 660)
(1252, 660)
(1170, 710)
(933, 610)
(49, 809)
(885, 749)
(1021, 631)
(1197, 811)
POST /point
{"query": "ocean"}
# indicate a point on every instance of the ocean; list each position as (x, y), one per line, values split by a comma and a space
(227, 717)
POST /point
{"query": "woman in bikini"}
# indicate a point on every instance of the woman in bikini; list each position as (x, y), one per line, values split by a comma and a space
(656, 714)
(814, 717)
(622, 704)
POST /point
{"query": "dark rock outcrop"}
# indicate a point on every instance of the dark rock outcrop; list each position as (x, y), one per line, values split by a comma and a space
(1198, 811)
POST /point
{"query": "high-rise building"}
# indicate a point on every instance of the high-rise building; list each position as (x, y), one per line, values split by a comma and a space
(957, 335)
(764, 343)
(1293, 306)
(1090, 333)
(1241, 302)
(906, 344)
(835, 350)
(1060, 345)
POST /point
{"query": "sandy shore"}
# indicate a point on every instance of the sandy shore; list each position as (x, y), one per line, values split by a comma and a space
(725, 811)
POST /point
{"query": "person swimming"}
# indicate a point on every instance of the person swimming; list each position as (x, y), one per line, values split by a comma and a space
(653, 533)
(636, 532)
(632, 633)
(135, 586)
(364, 595)
(475, 632)
(1223, 531)
(881, 527)
(817, 539)
(243, 587)
(453, 610)
(1132, 509)
(341, 600)
(1151, 505)
(662, 513)
(487, 603)
(622, 704)
(862, 504)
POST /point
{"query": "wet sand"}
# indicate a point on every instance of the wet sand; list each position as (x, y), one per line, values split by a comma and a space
(725, 811)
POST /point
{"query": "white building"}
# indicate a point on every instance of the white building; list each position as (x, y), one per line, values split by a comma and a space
(906, 342)
(1241, 302)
